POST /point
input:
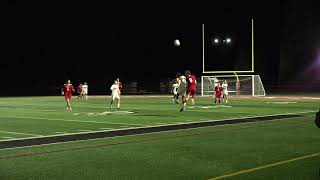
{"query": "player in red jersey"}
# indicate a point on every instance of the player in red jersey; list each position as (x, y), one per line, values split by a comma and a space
(192, 85)
(68, 90)
(79, 91)
(218, 89)
(119, 84)
(238, 87)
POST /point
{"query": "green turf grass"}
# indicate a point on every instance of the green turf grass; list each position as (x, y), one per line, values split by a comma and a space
(48, 116)
(201, 153)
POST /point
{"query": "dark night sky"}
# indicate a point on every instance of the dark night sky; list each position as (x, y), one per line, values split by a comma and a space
(45, 43)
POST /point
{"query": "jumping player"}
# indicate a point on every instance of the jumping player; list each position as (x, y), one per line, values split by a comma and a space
(225, 91)
(68, 89)
(218, 90)
(115, 93)
(182, 88)
(192, 86)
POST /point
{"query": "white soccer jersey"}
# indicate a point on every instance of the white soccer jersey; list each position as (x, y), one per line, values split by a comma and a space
(182, 85)
(182, 82)
(216, 82)
(115, 90)
(225, 88)
(85, 89)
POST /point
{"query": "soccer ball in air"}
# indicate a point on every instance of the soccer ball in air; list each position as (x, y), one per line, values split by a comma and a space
(177, 42)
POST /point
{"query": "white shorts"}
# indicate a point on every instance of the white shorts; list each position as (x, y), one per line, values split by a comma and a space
(225, 93)
(182, 91)
(115, 96)
(84, 93)
(174, 92)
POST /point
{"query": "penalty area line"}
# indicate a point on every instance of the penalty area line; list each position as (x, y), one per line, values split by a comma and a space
(70, 120)
(19, 133)
(265, 166)
(6, 137)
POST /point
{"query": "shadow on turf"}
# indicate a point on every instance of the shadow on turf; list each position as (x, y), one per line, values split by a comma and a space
(133, 131)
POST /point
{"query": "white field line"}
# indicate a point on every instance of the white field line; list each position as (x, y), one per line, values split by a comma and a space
(84, 130)
(6, 137)
(70, 120)
(178, 130)
(44, 110)
(61, 132)
(106, 128)
(160, 123)
(19, 133)
(172, 124)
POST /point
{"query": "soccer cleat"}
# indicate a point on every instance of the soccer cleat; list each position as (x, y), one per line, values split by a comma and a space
(182, 109)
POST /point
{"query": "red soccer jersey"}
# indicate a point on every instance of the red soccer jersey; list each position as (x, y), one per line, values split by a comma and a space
(238, 85)
(192, 82)
(218, 90)
(79, 89)
(68, 89)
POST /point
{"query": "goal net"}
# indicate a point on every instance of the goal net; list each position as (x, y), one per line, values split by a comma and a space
(249, 85)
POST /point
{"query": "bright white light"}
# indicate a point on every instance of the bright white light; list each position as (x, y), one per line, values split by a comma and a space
(216, 40)
(228, 40)
(177, 42)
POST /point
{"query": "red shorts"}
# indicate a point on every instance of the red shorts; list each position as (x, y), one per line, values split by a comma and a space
(68, 96)
(192, 92)
(218, 95)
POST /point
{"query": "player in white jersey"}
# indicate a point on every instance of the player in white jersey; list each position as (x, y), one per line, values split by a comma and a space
(182, 90)
(225, 91)
(216, 82)
(115, 93)
(85, 91)
(175, 87)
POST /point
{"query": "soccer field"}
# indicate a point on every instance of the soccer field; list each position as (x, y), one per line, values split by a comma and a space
(284, 144)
